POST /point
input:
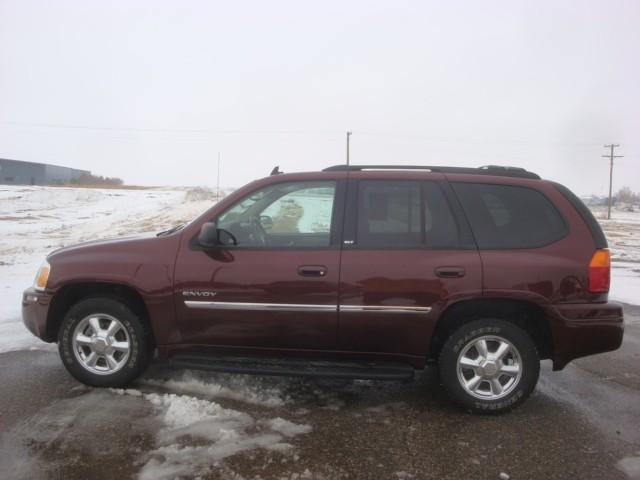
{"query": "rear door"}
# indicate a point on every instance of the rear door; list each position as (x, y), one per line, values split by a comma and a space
(407, 252)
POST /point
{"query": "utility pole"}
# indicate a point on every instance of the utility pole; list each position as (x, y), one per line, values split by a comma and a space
(611, 156)
(348, 135)
(218, 181)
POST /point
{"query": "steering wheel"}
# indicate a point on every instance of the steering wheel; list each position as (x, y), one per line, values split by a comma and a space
(259, 233)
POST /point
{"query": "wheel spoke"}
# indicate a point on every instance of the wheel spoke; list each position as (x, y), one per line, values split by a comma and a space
(466, 362)
(511, 370)
(120, 346)
(481, 347)
(496, 386)
(95, 324)
(474, 383)
(83, 340)
(113, 328)
(91, 359)
(111, 362)
(502, 350)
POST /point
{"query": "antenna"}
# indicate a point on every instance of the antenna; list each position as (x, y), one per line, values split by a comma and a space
(218, 181)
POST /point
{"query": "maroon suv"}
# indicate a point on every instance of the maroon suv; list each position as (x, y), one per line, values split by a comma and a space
(353, 272)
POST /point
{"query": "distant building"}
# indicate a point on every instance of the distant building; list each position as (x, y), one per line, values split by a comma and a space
(17, 172)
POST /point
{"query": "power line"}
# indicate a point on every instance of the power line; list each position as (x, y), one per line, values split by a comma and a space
(391, 135)
(454, 139)
(611, 156)
(173, 130)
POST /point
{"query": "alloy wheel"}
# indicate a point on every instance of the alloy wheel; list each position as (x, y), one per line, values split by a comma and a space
(101, 344)
(489, 367)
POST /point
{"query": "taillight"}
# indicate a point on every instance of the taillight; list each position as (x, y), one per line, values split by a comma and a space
(600, 272)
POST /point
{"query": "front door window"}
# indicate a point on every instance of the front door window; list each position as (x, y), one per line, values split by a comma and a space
(294, 214)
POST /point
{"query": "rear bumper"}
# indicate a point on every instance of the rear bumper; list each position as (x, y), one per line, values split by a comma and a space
(35, 309)
(580, 330)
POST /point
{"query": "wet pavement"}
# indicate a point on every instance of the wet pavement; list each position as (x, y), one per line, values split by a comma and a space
(582, 423)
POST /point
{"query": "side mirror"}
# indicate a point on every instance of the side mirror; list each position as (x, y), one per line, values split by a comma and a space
(208, 236)
(211, 236)
(226, 238)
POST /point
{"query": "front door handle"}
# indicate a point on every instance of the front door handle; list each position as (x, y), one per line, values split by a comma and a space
(312, 270)
(450, 272)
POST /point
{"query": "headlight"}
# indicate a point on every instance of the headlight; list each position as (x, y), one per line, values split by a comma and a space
(42, 276)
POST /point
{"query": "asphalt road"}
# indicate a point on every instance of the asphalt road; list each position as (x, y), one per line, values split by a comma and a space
(582, 423)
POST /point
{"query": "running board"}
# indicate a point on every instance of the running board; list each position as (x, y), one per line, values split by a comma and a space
(294, 367)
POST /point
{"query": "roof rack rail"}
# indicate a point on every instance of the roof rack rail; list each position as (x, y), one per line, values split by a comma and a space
(497, 170)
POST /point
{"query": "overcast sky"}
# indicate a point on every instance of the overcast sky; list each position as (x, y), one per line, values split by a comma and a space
(152, 90)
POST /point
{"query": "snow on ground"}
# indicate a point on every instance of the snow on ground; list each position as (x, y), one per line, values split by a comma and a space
(630, 466)
(264, 391)
(36, 220)
(197, 434)
(253, 390)
(625, 282)
(623, 235)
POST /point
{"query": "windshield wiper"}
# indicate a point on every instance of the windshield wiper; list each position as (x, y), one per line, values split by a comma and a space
(171, 230)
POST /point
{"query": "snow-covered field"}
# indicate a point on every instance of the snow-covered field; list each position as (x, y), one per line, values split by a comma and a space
(36, 220)
(623, 234)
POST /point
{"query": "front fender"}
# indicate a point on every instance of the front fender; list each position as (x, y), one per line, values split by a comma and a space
(145, 265)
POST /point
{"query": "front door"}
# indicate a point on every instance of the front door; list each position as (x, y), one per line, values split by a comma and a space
(405, 255)
(278, 287)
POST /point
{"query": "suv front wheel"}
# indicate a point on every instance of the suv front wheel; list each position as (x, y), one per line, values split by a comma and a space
(489, 366)
(103, 343)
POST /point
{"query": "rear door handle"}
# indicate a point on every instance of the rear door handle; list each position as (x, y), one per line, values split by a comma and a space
(450, 272)
(312, 270)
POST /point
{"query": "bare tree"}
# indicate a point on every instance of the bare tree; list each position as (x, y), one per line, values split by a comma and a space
(626, 195)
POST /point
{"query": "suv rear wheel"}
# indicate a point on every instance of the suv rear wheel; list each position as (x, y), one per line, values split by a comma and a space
(489, 366)
(103, 343)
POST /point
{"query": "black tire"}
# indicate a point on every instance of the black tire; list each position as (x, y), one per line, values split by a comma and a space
(473, 331)
(139, 340)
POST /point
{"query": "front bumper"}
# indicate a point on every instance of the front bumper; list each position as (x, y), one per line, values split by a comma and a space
(580, 330)
(35, 310)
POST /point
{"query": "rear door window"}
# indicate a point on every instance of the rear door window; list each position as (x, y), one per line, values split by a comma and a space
(397, 214)
(509, 217)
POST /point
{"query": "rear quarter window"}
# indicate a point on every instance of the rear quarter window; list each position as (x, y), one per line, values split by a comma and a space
(509, 216)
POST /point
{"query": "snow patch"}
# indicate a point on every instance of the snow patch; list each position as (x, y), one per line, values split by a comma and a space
(625, 282)
(198, 434)
(623, 236)
(197, 194)
(402, 475)
(253, 390)
(630, 466)
(287, 428)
